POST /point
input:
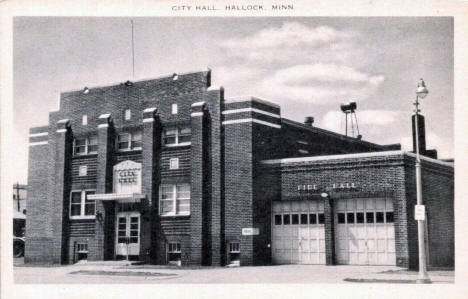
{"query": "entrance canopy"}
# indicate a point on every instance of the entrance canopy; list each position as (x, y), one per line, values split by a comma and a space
(119, 197)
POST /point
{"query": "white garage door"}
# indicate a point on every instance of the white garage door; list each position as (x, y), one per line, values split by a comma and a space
(298, 233)
(365, 233)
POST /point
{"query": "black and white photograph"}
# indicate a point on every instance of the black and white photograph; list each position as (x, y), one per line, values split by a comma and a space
(195, 149)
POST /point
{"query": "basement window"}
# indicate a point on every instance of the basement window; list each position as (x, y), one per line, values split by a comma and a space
(234, 253)
(81, 251)
(174, 253)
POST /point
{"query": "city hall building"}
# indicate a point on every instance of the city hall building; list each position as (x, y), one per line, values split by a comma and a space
(168, 171)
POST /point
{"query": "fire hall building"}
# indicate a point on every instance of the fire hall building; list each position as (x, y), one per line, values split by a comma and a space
(168, 171)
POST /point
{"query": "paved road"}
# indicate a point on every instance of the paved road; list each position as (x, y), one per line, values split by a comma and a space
(260, 274)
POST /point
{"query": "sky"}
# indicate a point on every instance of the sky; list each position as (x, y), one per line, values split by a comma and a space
(309, 66)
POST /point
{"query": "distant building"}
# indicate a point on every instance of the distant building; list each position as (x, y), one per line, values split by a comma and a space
(19, 208)
(169, 171)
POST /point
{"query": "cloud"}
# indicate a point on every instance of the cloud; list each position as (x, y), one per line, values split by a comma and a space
(321, 83)
(433, 141)
(282, 44)
(228, 74)
(367, 119)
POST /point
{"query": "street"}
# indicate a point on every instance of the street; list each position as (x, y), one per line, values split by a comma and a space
(121, 273)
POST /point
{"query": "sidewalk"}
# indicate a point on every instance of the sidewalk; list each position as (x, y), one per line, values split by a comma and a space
(120, 272)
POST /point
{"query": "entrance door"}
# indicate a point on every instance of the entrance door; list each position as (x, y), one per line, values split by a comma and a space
(298, 232)
(365, 233)
(127, 234)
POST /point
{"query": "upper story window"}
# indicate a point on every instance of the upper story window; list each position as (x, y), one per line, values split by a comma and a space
(174, 136)
(85, 120)
(85, 146)
(174, 109)
(129, 141)
(128, 114)
(174, 200)
(80, 205)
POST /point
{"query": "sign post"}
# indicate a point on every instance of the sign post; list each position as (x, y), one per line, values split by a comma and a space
(420, 212)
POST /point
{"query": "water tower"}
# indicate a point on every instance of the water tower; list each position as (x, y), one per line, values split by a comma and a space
(350, 110)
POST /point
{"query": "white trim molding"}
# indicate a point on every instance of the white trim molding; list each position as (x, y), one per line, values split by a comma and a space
(107, 115)
(61, 130)
(38, 143)
(247, 120)
(196, 114)
(250, 99)
(148, 120)
(353, 156)
(198, 104)
(249, 109)
(39, 134)
(103, 126)
(152, 109)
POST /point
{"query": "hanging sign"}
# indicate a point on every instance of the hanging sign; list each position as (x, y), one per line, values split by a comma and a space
(419, 212)
(127, 177)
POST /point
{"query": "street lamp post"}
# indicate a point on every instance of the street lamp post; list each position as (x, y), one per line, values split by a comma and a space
(423, 277)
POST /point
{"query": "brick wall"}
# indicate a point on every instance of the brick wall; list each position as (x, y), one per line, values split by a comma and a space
(52, 198)
(438, 197)
(389, 176)
(374, 177)
(39, 233)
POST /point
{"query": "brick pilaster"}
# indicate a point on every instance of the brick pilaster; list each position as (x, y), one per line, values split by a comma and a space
(61, 191)
(197, 229)
(151, 139)
(329, 230)
(102, 246)
(215, 175)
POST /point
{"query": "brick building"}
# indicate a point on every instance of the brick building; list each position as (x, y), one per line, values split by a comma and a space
(169, 171)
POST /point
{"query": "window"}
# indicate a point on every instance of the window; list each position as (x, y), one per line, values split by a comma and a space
(295, 219)
(174, 109)
(85, 120)
(359, 217)
(83, 170)
(379, 217)
(174, 253)
(85, 146)
(321, 218)
(234, 253)
(303, 218)
(174, 200)
(286, 219)
(128, 114)
(389, 217)
(174, 163)
(174, 136)
(312, 218)
(370, 217)
(341, 218)
(350, 217)
(80, 205)
(81, 250)
(277, 219)
(129, 141)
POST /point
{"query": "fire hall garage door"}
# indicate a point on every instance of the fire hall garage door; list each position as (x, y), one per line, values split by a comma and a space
(298, 233)
(365, 233)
